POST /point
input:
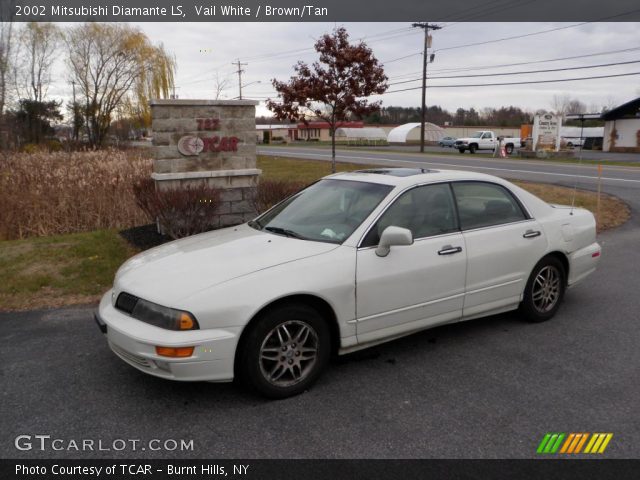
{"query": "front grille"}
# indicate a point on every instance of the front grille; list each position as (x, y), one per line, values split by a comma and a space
(130, 357)
(126, 302)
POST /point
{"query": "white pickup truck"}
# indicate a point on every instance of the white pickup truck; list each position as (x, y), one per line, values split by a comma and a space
(486, 140)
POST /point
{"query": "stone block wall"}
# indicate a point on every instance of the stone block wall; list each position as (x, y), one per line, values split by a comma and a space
(210, 141)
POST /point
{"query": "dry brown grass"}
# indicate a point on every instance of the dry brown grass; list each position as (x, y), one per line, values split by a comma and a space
(612, 213)
(54, 193)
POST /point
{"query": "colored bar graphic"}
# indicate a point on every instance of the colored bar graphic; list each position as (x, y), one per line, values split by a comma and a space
(581, 442)
(566, 445)
(553, 443)
(598, 443)
(543, 443)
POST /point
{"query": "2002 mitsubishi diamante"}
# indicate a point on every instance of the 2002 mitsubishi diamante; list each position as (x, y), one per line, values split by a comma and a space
(353, 260)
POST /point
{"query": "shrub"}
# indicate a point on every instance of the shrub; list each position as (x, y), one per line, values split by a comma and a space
(179, 211)
(270, 192)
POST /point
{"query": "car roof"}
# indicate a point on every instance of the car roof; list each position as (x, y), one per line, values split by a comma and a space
(405, 177)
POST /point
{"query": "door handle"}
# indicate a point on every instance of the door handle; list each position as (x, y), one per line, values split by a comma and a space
(449, 250)
(531, 234)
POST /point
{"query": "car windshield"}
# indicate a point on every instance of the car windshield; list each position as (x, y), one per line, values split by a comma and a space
(477, 135)
(327, 211)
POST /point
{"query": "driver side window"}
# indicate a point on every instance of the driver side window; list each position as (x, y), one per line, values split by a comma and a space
(426, 211)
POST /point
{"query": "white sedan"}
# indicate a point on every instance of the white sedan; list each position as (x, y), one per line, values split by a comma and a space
(353, 260)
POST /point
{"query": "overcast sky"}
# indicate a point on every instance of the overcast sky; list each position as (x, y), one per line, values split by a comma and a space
(271, 49)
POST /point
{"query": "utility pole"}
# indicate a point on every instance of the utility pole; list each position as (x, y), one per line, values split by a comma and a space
(423, 110)
(240, 71)
(174, 95)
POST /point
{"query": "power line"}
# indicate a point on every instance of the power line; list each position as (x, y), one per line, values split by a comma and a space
(522, 72)
(400, 58)
(537, 33)
(530, 82)
(493, 41)
(489, 67)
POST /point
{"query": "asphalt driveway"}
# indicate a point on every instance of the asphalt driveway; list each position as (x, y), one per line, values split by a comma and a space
(487, 388)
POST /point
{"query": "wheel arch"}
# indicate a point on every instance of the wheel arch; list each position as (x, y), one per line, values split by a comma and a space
(563, 259)
(314, 301)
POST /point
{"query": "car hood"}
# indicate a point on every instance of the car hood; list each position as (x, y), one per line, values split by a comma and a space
(171, 272)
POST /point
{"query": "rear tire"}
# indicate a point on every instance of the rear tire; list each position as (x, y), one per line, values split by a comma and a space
(285, 351)
(544, 291)
(509, 149)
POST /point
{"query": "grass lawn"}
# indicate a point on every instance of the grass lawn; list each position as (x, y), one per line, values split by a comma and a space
(59, 270)
(78, 268)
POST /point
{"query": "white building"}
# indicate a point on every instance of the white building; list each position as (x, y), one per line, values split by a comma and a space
(622, 128)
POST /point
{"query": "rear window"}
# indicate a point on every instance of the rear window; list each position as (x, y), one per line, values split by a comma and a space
(482, 204)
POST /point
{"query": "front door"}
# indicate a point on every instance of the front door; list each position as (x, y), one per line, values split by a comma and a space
(418, 285)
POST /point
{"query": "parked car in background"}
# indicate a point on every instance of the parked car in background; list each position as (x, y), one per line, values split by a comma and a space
(447, 141)
(572, 142)
(351, 261)
(487, 140)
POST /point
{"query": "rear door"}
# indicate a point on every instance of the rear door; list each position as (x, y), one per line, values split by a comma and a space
(503, 245)
(416, 285)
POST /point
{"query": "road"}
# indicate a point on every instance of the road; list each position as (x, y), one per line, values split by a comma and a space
(488, 388)
(562, 173)
(586, 154)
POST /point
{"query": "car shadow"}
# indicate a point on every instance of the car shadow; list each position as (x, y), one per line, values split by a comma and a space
(395, 352)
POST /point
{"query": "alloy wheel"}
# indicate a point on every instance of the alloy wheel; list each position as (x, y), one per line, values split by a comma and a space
(546, 289)
(288, 353)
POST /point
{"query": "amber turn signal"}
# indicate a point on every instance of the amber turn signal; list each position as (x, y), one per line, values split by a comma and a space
(186, 321)
(175, 352)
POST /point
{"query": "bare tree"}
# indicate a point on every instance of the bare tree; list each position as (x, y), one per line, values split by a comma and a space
(575, 106)
(36, 51)
(6, 37)
(112, 64)
(219, 85)
(560, 103)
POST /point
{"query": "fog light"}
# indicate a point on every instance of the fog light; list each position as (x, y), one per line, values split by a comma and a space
(176, 352)
(163, 366)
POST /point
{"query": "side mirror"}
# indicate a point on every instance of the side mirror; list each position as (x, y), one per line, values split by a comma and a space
(393, 236)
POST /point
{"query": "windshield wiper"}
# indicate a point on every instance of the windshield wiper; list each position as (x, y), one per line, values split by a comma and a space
(284, 231)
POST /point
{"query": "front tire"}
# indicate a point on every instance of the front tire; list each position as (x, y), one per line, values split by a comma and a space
(461, 150)
(544, 291)
(285, 351)
(472, 148)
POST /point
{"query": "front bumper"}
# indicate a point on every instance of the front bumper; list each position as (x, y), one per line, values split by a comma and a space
(135, 343)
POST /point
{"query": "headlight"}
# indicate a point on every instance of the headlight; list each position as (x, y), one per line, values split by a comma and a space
(154, 314)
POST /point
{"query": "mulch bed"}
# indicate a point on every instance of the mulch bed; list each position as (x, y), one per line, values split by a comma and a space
(144, 237)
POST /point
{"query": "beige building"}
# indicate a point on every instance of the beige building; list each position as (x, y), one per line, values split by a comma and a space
(622, 128)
